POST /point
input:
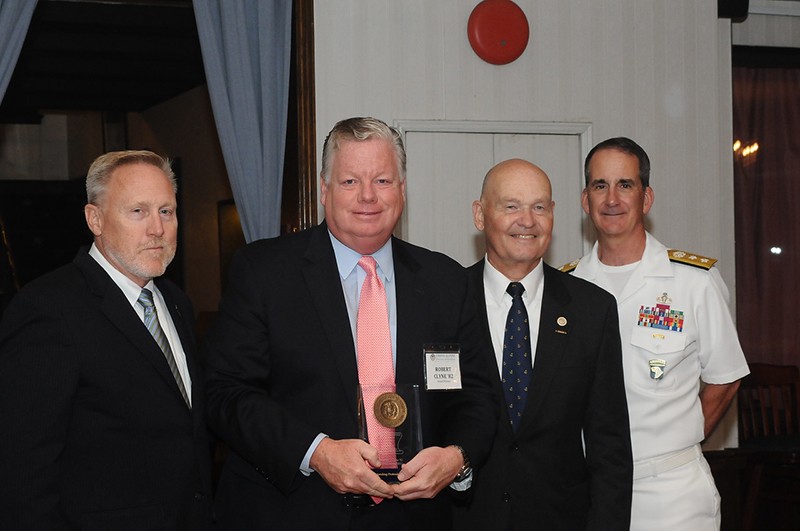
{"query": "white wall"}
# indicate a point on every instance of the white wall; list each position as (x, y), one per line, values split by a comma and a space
(656, 71)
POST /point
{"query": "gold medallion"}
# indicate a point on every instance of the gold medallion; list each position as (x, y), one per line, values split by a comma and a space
(390, 410)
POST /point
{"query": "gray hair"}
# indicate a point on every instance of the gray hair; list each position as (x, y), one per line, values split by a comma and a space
(361, 129)
(103, 168)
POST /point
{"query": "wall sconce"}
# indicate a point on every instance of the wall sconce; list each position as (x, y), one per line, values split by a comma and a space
(747, 155)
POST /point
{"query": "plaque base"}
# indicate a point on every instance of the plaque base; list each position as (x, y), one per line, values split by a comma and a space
(389, 475)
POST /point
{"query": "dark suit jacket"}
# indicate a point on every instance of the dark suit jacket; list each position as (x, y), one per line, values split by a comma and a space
(282, 369)
(95, 433)
(538, 477)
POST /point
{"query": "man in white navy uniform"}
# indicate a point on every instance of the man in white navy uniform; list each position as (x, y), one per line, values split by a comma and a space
(676, 331)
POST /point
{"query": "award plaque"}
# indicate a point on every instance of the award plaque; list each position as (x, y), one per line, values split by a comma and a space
(395, 408)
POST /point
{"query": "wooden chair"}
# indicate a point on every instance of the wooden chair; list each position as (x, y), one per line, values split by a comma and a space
(769, 399)
(769, 431)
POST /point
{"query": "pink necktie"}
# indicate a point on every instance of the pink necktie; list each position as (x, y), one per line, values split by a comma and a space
(374, 348)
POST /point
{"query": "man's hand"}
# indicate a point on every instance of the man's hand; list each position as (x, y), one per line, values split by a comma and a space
(345, 467)
(428, 473)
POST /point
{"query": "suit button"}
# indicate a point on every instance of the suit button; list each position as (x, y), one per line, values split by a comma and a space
(199, 496)
(515, 447)
(506, 497)
(264, 474)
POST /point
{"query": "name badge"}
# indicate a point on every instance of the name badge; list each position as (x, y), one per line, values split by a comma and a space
(442, 367)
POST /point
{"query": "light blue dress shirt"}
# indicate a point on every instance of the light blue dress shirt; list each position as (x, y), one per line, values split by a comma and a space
(352, 277)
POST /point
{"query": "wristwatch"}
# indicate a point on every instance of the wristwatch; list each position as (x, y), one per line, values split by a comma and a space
(466, 468)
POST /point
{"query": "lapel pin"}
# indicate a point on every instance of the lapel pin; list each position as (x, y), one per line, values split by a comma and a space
(562, 321)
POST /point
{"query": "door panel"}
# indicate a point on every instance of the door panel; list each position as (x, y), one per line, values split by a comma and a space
(445, 173)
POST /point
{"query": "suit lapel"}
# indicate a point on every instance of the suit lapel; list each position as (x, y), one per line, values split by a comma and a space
(476, 277)
(325, 286)
(120, 313)
(411, 317)
(183, 325)
(552, 341)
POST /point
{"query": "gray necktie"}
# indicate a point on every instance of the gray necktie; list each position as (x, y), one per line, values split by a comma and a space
(154, 327)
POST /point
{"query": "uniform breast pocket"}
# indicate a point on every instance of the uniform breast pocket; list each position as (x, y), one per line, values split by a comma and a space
(658, 353)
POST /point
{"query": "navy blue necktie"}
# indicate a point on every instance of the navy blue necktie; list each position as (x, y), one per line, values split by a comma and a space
(517, 366)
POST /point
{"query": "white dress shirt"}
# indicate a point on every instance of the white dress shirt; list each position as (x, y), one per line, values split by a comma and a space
(498, 302)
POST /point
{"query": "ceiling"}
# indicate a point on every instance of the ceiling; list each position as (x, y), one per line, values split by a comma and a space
(89, 55)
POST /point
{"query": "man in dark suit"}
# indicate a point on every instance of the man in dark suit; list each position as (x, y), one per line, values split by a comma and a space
(101, 402)
(562, 456)
(284, 360)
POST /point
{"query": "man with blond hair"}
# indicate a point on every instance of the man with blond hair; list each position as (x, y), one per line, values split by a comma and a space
(101, 400)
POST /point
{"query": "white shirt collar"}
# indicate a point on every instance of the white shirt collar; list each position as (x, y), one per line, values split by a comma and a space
(496, 283)
(129, 288)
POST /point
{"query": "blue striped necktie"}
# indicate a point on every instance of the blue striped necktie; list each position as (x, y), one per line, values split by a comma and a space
(154, 327)
(517, 365)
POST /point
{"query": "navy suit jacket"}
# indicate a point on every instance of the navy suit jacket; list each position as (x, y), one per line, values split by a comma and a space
(282, 369)
(540, 477)
(96, 434)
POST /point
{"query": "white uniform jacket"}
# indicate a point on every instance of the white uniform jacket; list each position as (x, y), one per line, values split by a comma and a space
(676, 329)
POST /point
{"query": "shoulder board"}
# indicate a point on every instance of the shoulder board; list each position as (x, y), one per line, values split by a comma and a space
(566, 268)
(695, 260)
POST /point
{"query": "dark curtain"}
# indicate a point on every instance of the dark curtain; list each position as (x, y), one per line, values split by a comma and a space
(766, 112)
(15, 17)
